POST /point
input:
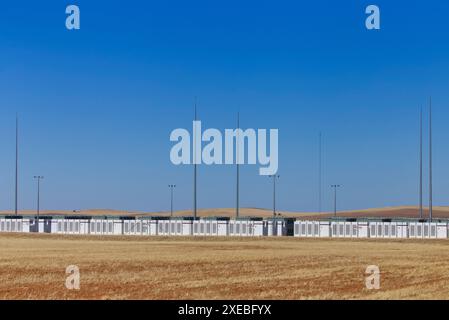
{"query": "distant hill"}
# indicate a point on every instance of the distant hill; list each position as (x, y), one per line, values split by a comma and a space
(387, 212)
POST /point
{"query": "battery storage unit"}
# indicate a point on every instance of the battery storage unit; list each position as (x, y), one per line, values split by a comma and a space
(428, 230)
(181, 226)
(211, 226)
(279, 226)
(312, 229)
(349, 228)
(246, 227)
(224, 226)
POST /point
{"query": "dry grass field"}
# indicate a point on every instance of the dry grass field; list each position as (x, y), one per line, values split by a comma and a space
(33, 267)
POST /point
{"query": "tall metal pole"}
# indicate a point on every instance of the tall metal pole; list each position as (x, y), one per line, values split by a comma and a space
(171, 186)
(38, 178)
(17, 167)
(274, 193)
(430, 160)
(274, 196)
(194, 174)
(420, 167)
(38, 196)
(335, 186)
(335, 201)
(237, 204)
(319, 175)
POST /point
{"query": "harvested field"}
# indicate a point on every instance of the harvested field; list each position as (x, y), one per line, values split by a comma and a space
(32, 266)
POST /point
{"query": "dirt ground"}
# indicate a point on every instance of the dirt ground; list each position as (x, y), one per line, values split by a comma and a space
(33, 266)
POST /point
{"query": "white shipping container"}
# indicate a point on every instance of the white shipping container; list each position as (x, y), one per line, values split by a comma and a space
(427, 230)
(442, 230)
(257, 228)
(222, 228)
(153, 230)
(251, 227)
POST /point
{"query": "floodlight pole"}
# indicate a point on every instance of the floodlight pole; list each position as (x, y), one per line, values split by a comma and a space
(38, 178)
(17, 167)
(194, 173)
(420, 167)
(171, 186)
(319, 174)
(274, 193)
(237, 204)
(430, 161)
(335, 186)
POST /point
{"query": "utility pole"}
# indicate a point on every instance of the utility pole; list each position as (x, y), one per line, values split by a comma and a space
(430, 161)
(319, 174)
(237, 204)
(171, 186)
(420, 167)
(17, 167)
(194, 170)
(38, 178)
(335, 186)
(274, 193)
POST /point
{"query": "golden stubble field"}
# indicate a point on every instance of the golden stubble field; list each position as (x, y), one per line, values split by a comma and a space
(33, 267)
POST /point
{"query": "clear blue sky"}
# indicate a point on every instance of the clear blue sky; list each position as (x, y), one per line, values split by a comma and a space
(97, 105)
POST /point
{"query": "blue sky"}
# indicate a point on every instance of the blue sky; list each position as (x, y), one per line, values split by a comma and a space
(97, 105)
